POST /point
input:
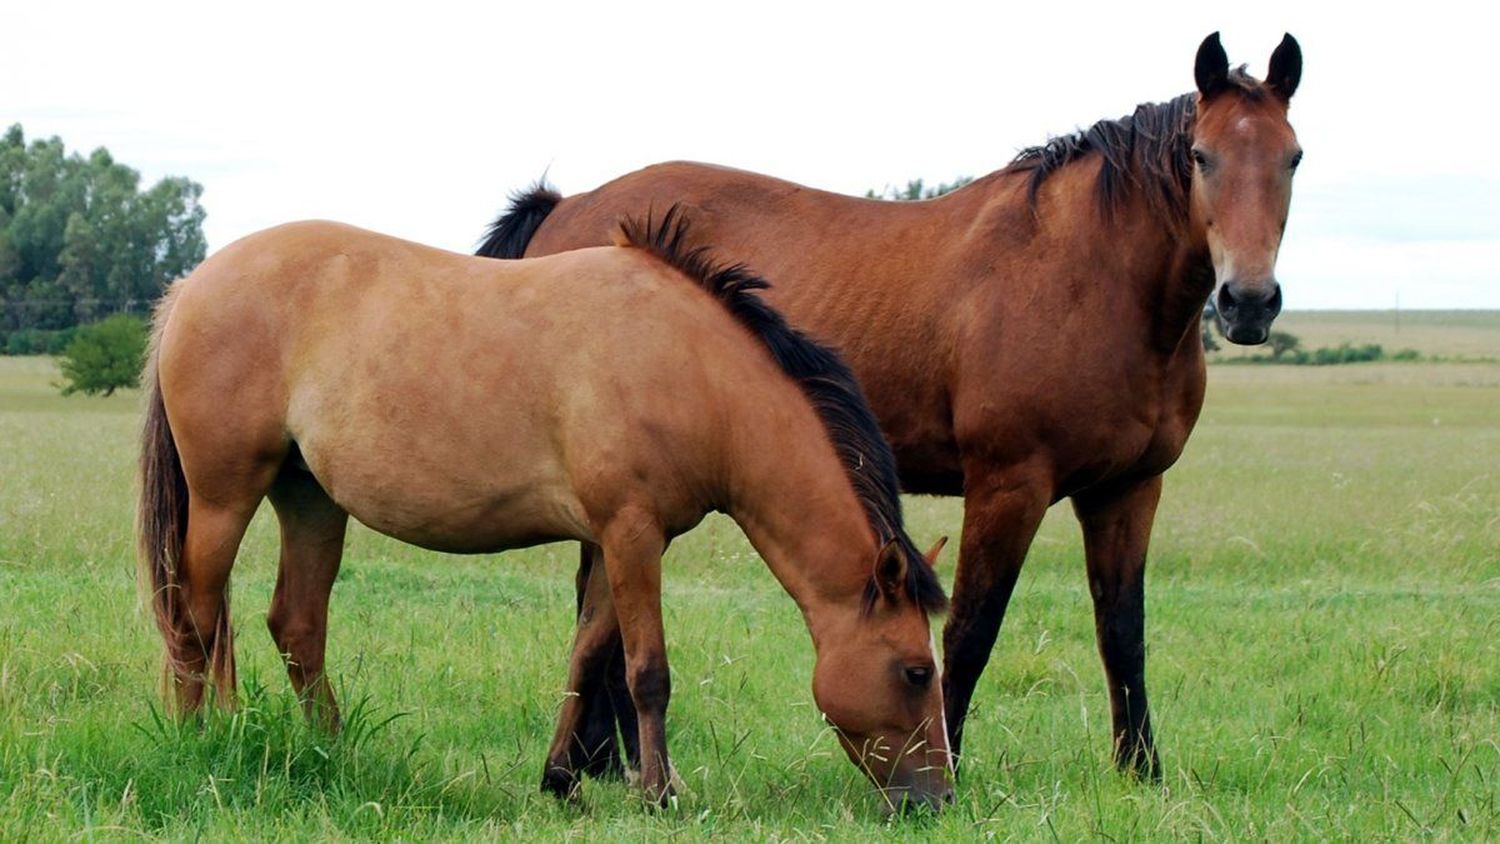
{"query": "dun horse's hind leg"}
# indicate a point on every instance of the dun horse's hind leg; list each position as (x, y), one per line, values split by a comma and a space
(202, 641)
(1116, 528)
(585, 734)
(633, 546)
(312, 545)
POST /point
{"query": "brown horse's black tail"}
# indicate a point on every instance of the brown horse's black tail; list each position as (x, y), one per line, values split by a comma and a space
(161, 521)
(508, 236)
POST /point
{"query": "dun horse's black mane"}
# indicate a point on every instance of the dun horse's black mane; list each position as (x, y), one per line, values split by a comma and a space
(1149, 150)
(823, 377)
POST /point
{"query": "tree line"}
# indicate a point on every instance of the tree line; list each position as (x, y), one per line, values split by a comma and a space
(80, 240)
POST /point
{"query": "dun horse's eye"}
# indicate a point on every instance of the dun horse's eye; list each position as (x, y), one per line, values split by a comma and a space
(919, 676)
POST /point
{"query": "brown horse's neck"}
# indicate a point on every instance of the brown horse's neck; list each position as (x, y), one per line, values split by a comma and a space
(798, 508)
(1161, 266)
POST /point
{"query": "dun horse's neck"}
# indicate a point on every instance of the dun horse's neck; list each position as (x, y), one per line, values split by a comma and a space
(800, 512)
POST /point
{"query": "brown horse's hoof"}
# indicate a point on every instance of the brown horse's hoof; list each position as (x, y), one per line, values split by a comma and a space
(603, 764)
(1142, 765)
(561, 783)
(657, 797)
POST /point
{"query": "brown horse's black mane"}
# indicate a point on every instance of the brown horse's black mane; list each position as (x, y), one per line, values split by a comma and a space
(823, 377)
(1149, 150)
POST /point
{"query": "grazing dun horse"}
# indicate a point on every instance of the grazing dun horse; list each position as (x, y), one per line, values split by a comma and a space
(1028, 338)
(610, 395)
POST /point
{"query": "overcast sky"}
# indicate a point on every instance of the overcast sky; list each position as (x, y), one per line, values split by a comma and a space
(419, 122)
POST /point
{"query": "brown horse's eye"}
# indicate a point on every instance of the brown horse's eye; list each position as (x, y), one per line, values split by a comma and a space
(1296, 159)
(919, 676)
(1200, 158)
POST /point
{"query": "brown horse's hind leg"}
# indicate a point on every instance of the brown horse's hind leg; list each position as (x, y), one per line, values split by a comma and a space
(1001, 516)
(633, 546)
(1116, 528)
(312, 544)
(202, 639)
(580, 744)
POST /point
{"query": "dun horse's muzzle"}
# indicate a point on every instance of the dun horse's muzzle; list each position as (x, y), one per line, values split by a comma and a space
(909, 798)
(1247, 311)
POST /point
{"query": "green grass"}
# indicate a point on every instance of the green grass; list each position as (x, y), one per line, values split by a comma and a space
(1324, 629)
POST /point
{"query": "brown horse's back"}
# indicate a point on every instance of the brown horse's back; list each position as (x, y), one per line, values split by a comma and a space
(492, 395)
(975, 329)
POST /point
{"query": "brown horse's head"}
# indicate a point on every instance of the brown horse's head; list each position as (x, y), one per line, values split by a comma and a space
(877, 681)
(1244, 154)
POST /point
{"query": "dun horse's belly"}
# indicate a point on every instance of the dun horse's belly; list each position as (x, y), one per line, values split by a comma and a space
(512, 517)
(479, 504)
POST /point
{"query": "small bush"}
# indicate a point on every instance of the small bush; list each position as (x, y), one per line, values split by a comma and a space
(104, 356)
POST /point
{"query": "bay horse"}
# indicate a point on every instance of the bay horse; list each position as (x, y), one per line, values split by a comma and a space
(1030, 337)
(612, 395)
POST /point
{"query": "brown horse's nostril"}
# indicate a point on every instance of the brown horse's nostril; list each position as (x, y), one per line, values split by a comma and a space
(1261, 301)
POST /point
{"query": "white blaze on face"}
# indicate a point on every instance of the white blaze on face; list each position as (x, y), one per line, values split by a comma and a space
(937, 668)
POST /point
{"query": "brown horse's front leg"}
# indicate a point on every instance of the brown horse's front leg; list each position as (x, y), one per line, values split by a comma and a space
(581, 742)
(1001, 515)
(1116, 528)
(633, 546)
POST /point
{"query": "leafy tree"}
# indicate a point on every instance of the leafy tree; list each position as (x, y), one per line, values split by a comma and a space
(916, 189)
(1210, 343)
(105, 356)
(1282, 342)
(80, 238)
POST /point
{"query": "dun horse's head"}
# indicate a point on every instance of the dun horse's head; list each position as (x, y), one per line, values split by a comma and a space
(1244, 154)
(877, 681)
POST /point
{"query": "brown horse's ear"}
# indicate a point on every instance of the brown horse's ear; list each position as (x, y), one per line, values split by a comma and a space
(1286, 67)
(937, 548)
(890, 570)
(1211, 69)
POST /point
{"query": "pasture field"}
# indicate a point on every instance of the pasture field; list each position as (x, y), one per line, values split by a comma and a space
(1450, 334)
(1323, 625)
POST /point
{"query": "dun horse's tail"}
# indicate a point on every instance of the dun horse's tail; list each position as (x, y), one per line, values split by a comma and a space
(161, 522)
(512, 231)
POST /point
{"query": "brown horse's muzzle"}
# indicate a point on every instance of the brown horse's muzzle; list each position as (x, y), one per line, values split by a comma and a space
(1246, 311)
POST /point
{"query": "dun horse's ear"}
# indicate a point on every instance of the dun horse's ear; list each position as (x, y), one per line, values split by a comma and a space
(890, 570)
(1211, 69)
(937, 548)
(1286, 67)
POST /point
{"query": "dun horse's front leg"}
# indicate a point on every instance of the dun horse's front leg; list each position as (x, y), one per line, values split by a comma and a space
(633, 546)
(579, 742)
(1116, 528)
(594, 750)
